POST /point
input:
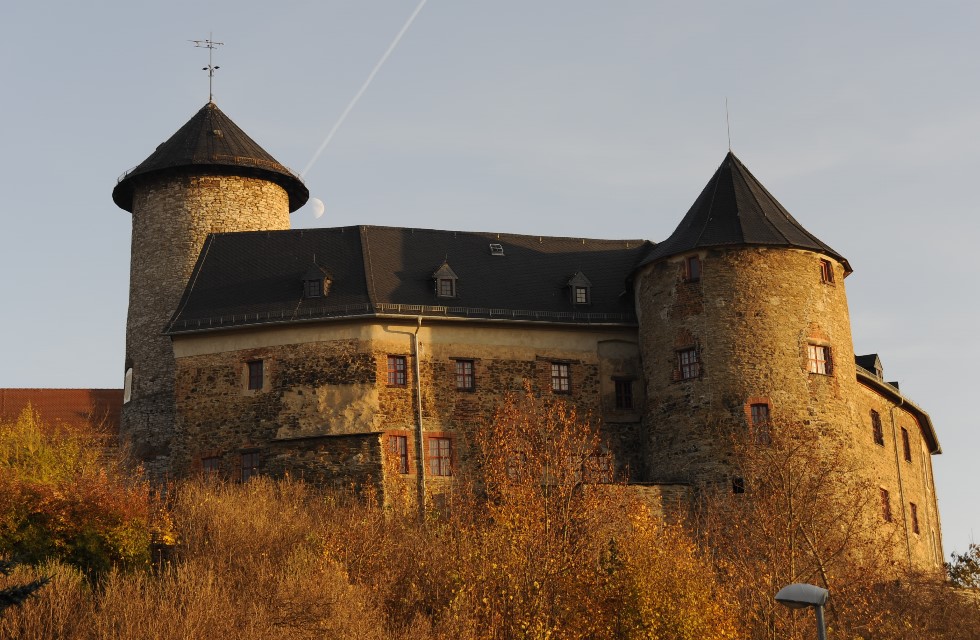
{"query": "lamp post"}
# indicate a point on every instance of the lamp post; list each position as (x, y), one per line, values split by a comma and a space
(800, 596)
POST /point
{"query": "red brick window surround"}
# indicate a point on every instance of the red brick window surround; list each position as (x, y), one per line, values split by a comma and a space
(826, 272)
(396, 371)
(398, 448)
(886, 505)
(624, 393)
(250, 465)
(906, 445)
(914, 515)
(877, 432)
(256, 376)
(688, 363)
(819, 359)
(561, 377)
(465, 378)
(692, 268)
(440, 455)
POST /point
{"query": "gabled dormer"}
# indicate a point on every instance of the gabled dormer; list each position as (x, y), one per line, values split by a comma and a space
(444, 280)
(580, 289)
(316, 282)
(871, 363)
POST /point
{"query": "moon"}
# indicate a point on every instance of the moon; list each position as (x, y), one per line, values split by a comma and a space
(317, 205)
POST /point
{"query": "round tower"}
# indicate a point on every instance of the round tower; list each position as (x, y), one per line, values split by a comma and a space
(209, 177)
(742, 316)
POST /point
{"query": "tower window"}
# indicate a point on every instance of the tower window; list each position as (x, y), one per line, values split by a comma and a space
(914, 514)
(818, 359)
(826, 272)
(396, 371)
(624, 394)
(886, 505)
(692, 269)
(760, 422)
(561, 377)
(877, 432)
(256, 377)
(688, 363)
(738, 484)
(906, 445)
(465, 380)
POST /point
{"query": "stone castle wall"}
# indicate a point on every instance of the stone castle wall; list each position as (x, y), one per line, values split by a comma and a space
(172, 216)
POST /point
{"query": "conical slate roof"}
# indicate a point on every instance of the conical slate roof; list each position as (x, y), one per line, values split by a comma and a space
(735, 209)
(210, 139)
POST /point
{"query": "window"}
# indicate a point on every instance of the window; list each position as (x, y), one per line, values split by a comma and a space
(759, 415)
(313, 288)
(687, 360)
(561, 377)
(250, 465)
(581, 295)
(446, 288)
(440, 456)
(211, 465)
(255, 375)
(914, 513)
(464, 375)
(818, 359)
(906, 446)
(496, 249)
(624, 394)
(398, 446)
(738, 484)
(886, 505)
(826, 272)
(128, 386)
(396, 371)
(876, 430)
(692, 269)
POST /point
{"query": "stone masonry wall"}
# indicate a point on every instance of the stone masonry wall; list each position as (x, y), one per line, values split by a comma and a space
(171, 219)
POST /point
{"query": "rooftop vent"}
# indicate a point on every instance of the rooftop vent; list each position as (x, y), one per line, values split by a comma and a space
(496, 249)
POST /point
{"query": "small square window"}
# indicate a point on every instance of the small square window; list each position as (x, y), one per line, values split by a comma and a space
(759, 415)
(876, 431)
(313, 288)
(886, 505)
(688, 363)
(396, 371)
(914, 514)
(561, 377)
(256, 377)
(250, 465)
(398, 446)
(440, 456)
(818, 359)
(692, 269)
(826, 272)
(906, 445)
(465, 380)
(624, 394)
(446, 288)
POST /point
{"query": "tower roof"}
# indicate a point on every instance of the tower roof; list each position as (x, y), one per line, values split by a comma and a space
(210, 139)
(735, 209)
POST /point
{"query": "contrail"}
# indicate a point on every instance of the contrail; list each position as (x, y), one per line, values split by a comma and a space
(360, 92)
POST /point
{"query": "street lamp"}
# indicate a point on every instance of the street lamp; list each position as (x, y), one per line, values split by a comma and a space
(800, 596)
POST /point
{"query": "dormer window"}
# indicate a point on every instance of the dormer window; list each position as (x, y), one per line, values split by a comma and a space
(580, 289)
(445, 281)
(496, 249)
(692, 269)
(315, 283)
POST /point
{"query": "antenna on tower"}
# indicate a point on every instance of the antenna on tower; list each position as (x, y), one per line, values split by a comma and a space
(210, 45)
(728, 124)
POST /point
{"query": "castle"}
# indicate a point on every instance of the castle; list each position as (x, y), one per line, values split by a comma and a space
(252, 348)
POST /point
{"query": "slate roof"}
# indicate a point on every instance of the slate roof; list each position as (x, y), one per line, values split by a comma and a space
(210, 139)
(735, 209)
(249, 278)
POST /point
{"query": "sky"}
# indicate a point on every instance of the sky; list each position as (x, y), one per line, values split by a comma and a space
(544, 117)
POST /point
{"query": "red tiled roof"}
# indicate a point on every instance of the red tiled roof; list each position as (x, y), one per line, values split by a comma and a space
(69, 406)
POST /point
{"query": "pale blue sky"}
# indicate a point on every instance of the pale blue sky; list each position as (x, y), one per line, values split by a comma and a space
(594, 119)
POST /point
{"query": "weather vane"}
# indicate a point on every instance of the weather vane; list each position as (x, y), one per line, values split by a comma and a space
(210, 45)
